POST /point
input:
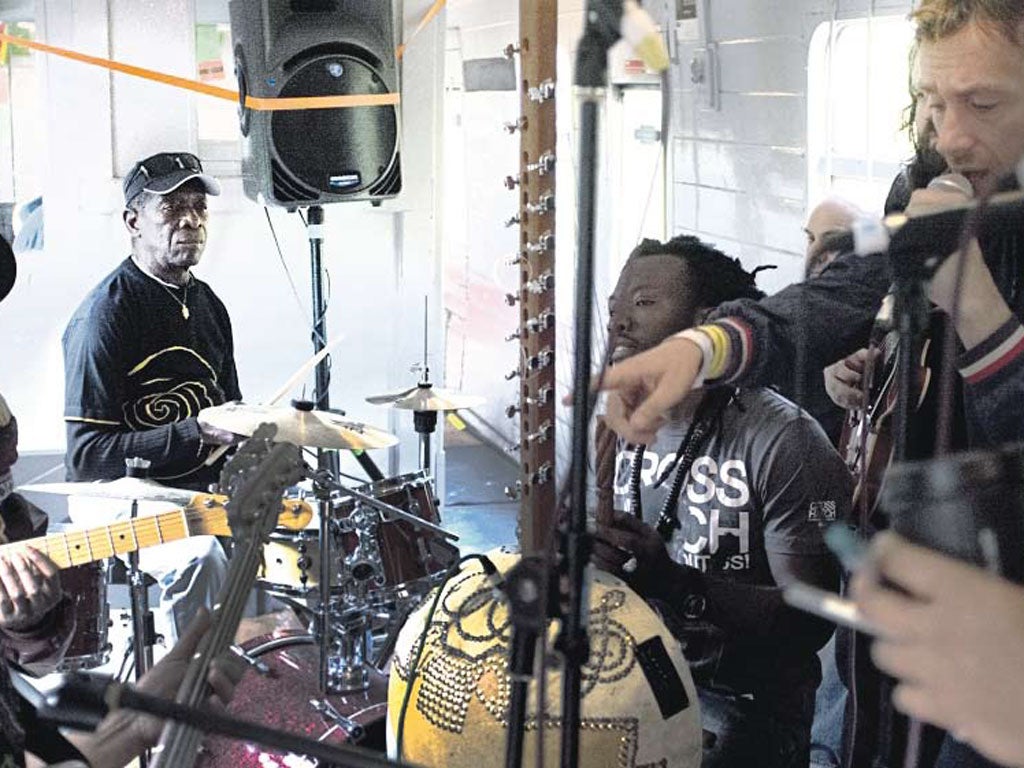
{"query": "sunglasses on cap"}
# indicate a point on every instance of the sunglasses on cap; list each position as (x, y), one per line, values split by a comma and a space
(165, 172)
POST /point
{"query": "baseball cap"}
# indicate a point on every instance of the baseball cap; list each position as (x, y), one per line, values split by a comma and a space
(165, 172)
(8, 268)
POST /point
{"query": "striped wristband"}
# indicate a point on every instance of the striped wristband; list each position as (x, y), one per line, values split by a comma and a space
(707, 348)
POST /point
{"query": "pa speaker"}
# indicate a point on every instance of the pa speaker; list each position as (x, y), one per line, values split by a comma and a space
(300, 48)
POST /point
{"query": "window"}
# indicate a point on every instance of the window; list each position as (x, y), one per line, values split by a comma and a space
(21, 129)
(217, 119)
(857, 91)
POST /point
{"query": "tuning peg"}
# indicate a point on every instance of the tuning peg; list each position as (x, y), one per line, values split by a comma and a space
(541, 435)
(543, 395)
(545, 242)
(545, 321)
(512, 491)
(544, 165)
(511, 299)
(541, 360)
(519, 125)
(513, 374)
(511, 50)
(514, 261)
(542, 475)
(513, 221)
(542, 92)
(511, 411)
(511, 182)
(545, 204)
(544, 282)
(514, 336)
(512, 447)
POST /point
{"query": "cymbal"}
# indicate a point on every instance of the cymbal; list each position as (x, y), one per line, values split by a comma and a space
(317, 429)
(126, 488)
(425, 397)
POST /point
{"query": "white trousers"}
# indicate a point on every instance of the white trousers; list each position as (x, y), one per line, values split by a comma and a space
(190, 572)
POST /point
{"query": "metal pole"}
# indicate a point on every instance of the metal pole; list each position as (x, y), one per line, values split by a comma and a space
(327, 461)
(603, 17)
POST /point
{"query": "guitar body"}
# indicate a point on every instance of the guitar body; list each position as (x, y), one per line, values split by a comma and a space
(867, 441)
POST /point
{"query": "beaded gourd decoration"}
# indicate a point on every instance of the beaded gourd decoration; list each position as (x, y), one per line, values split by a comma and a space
(639, 704)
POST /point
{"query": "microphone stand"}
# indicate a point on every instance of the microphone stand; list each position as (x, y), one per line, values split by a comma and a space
(524, 590)
(85, 699)
(591, 77)
(912, 269)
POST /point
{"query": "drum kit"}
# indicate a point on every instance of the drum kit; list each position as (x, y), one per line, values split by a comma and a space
(386, 549)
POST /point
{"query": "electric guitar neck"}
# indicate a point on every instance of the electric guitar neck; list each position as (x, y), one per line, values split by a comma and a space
(205, 515)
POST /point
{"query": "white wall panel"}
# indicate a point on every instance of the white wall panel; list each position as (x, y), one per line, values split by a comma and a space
(779, 121)
(748, 167)
(775, 65)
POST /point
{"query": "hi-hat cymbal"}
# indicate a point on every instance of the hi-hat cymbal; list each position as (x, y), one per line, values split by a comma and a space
(316, 429)
(425, 397)
(127, 488)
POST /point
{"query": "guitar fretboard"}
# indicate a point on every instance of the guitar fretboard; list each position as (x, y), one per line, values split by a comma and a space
(78, 547)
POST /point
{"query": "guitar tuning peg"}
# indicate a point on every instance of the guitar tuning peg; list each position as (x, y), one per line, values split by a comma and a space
(513, 491)
(545, 204)
(542, 92)
(513, 374)
(511, 411)
(513, 336)
(519, 125)
(511, 182)
(542, 475)
(513, 221)
(511, 50)
(544, 165)
(545, 242)
(511, 299)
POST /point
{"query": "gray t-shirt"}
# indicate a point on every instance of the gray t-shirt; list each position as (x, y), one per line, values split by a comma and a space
(767, 480)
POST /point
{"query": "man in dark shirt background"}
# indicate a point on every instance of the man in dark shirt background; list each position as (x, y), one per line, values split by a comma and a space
(145, 355)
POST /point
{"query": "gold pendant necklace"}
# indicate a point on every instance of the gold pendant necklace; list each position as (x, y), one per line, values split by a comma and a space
(184, 304)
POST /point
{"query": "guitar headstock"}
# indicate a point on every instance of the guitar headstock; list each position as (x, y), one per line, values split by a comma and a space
(254, 479)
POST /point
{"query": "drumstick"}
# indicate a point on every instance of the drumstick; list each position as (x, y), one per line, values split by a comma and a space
(294, 379)
(305, 368)
(605, 444)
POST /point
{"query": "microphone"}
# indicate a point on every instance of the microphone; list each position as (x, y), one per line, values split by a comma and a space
(930, 232)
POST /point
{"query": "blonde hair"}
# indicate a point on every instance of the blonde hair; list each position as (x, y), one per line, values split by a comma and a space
(938, 19)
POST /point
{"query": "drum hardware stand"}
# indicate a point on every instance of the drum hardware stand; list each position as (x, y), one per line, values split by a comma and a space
(143, 628)
(327, 461)
(425, 422)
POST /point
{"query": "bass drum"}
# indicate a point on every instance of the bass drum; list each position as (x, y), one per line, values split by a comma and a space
(279, 696)
(639, 704)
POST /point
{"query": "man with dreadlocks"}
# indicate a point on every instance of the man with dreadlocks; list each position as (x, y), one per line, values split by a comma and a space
(727, 505)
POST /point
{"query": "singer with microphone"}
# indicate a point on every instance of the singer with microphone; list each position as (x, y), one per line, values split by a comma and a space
(972, 85)
(972, 75)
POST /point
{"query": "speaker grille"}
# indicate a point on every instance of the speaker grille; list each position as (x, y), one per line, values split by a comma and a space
(286, 188)
(334, 151)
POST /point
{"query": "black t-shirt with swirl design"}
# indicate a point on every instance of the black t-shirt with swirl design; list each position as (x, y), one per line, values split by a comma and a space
(137, 371)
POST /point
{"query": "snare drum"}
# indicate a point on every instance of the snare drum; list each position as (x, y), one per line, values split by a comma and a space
(87, 587)
(279, 697)
(383, 559)
(407, 558)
